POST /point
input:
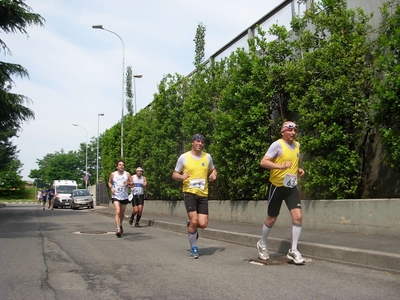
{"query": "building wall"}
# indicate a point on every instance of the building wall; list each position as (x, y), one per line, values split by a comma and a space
(282, 15)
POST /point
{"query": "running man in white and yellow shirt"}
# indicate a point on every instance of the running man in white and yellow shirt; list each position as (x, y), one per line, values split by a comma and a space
(195, 168)
(282, 158)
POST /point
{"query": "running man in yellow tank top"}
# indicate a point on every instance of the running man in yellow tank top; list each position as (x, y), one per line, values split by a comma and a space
(282, 158)
(195, 169)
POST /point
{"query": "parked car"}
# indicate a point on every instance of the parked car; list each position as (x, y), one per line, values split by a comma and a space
(81, 198)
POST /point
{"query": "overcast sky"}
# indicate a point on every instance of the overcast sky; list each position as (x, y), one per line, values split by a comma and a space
(75, 72)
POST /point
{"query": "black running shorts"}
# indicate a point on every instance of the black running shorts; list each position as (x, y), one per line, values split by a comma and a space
(276, 195)
(195, 203)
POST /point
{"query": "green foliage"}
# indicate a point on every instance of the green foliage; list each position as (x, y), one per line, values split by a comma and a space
(247, 110)
(167, 136)
(69, 165)
(10, 178)
(388, 83)
(110, 149)
(21, 194)
(7, 149)
(333, 97)
(59, 165)
(323, 74)
(200, 43)
(15, 16)
(129, 92)
(11, 184)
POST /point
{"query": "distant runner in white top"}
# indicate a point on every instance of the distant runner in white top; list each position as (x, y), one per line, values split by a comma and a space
(137, 195)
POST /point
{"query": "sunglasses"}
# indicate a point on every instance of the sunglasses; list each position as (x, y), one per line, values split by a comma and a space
(290, 127)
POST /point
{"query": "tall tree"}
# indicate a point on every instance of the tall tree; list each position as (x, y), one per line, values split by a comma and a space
(15, 16)
(10, 177)
(331, 91)
(388, 83)
(59, 165)
(200, 43)
(129, 93)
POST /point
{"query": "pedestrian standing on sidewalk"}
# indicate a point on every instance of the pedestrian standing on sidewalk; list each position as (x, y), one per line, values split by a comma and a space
(282, 158)
(118, 183)
(137, 192)
(195, 169)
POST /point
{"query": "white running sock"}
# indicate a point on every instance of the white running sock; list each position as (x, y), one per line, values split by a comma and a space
(192, 239)
(264, 234)
(296, 231)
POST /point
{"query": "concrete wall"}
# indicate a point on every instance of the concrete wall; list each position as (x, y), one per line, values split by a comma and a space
(369, 216)
(92, 190)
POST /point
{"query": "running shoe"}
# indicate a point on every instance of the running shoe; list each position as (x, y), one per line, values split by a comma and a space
(296, 257)
(118, 233)
(194, 253)
(122, 230)
(262, 251)
(131, 221)
(137, 224)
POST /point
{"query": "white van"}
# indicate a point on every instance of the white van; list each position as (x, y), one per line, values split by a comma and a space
(63, 189)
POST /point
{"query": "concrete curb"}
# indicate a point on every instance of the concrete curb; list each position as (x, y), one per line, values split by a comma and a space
(359, 257)
(371, 259)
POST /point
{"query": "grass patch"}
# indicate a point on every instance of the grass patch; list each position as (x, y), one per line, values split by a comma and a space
(22, 195)
(5, 201)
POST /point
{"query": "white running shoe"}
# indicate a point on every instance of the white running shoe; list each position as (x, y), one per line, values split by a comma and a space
(295, 255)
(262, 251)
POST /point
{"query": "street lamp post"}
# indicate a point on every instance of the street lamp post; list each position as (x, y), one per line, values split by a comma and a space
(123, 84)
(86, 173)
(97, 157)
(134, 90)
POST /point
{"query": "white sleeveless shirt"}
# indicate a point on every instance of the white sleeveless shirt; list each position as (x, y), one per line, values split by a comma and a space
(120, 185)
(137, 185)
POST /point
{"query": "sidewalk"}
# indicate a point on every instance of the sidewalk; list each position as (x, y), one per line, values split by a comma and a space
(373, 251)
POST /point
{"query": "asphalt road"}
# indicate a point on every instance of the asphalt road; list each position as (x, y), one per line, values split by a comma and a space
(66, 254)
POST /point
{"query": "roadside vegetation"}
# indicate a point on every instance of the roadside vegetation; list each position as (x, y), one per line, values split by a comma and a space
(333, 73)
(21, 195)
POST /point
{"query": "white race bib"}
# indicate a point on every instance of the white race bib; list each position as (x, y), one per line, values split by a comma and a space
(198, 183)
(290, 181)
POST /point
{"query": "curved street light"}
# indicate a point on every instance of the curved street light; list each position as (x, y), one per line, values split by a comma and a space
(86, 173)
(123, 84)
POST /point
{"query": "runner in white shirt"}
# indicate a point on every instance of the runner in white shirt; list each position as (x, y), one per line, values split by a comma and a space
(118, 183)
(137, 194)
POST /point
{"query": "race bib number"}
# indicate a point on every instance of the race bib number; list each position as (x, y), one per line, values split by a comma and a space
(197, 183)
(119, 188)
(290, 181)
